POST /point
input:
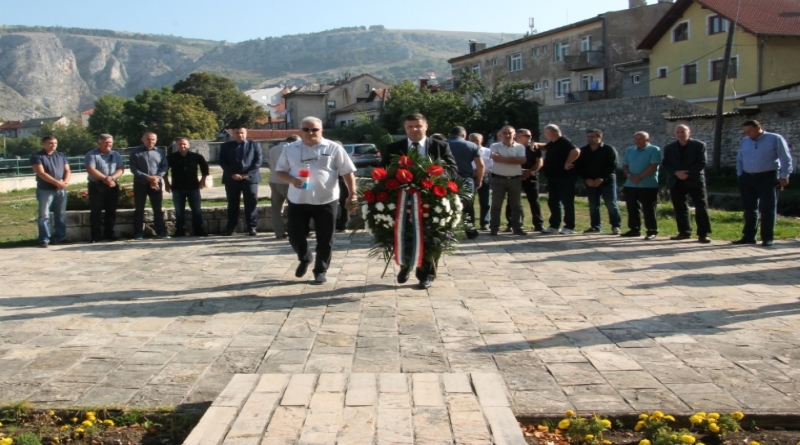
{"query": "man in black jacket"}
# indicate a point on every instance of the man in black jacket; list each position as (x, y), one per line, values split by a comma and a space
(597, 165)
(559, 167)
(240, 160)
(416, 126)
(685, 162)
(185, 186)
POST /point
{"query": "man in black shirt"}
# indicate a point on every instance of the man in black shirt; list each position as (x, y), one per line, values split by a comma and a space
(597, 165)
(530, 180)
(559, 167)
(185, 185)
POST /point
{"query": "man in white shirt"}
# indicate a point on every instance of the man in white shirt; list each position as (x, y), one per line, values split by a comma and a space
(484, 191)
(327, 161)
(508, 157)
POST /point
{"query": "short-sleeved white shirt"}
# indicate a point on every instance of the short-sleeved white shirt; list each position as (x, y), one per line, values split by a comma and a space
(327, 161)
(514, 151)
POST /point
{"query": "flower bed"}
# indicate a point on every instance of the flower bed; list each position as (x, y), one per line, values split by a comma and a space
(79, 199)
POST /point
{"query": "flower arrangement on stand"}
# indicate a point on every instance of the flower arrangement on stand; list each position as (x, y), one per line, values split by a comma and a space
(413, 210)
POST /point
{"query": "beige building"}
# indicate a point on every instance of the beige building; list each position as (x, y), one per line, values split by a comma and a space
(573, 63)
(322, 100)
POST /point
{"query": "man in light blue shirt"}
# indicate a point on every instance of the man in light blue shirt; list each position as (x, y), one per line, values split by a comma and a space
(640, 165)
(762, 164)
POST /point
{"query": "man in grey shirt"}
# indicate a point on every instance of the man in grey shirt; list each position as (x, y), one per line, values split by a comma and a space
(148, 165)
(104, 167)
(279, 190)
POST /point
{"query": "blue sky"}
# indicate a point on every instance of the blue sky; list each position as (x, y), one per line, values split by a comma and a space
(240, 20)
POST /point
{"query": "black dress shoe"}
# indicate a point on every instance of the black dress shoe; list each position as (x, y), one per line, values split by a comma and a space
(704, 239)
(508, 230)
(680, 237)
(402, 277)
(743, 241)
(472, 234)
(227, 232)
(252, 232)
(319, 278)
(631, 234)
(301, 269)
(426, 283)
(766, 243)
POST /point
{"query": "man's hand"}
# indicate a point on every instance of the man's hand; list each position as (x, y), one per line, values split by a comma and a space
(61, 185)
(202, 182)
(297, 182)
(110, 181)
(635, 179)
(589, 182)
(237, 177)
(526, 173)
(537, 145)
(682, 174)
(352, 201)
(784, 182)
(568, 166)
(168, 188)
(478, 184)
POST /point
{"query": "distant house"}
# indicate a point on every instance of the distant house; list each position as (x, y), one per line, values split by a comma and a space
(85, 115)
(23, 129)
(321, 100)
(687, 48)
(371, 108)
(636, 77)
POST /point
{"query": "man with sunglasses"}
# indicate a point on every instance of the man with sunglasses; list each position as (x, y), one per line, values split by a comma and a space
(319, 201)
(240, 161)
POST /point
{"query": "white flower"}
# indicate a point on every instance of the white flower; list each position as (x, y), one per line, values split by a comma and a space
(446, 204)
(459, 205)
(390, 223)
(435, 219)
(391, 206)
(457, 219)
(438, 209)
(442, 223)
(380, 207)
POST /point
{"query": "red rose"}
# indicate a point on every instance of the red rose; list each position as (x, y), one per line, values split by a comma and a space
(404, 176)
(440, 191)
(452, 186)
(427, 183)
(369, 196)
(405, 161)
(84, 195)
(435, 170)
(392, 184)
(379, 174)
(382, 196)
(132, 195)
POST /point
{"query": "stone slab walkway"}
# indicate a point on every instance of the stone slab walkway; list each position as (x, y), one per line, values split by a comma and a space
(587, 323)
(345, 409)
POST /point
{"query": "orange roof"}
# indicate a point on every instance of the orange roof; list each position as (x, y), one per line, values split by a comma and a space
(264, 135)
(10, 125)
(89, 112)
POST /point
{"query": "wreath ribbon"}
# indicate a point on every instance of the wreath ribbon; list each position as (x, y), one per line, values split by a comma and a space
(406, 199)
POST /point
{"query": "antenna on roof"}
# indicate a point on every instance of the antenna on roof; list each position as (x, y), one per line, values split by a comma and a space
(531, 25)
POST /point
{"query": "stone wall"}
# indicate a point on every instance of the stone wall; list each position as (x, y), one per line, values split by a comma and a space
(215, 219)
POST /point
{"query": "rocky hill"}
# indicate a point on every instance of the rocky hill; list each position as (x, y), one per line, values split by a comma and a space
(51, 71)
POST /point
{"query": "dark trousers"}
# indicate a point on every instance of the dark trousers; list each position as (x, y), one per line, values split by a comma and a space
(500, 187)
(484, 194)
(608, 192)
(561, 193)
(427, 270)
(682, 217)
(759, 195)
(102, 199)
(469, 205)
(324, 216)
(140, 194)
(531, 188)
(234, 189)
(642, 200)
(343, 216)
(179, 198)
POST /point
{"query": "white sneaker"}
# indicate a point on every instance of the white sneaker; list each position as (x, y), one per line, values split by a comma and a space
(616, 231)
(566, 231)
(549, 230)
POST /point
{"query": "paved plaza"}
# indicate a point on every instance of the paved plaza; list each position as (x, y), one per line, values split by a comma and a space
(568, 322)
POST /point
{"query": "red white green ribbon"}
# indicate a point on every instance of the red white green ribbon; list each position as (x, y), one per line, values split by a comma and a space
(405, 199)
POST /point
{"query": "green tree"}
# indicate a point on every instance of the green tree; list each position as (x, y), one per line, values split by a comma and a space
(442, 109)
(220, 95)
(362, 130)
(503, 103)
(73, 139)
(109, 118)
(23, 147)
(169, 115)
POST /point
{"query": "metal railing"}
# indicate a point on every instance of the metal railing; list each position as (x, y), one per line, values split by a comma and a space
(22, 167)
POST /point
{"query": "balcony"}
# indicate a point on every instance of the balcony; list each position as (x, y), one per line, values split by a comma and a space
(586, 60)
(584, 96)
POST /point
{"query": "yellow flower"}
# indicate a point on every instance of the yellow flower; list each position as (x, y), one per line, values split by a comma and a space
(642, 416)
(589, 437)
(714, 428)
(687, 438)
(606, 423)
(753, 442)
(701, 414)
(51, 413)
(710, 420)
(90, 413)
(738, 415)
(6, 441)
(90, 417)
(669, 417)
(644, 442)
(79, 430)
(109, 422)
(607, 442)
(1, 424)
(87, 423)
(564, 424)
(74, 420)
(569, 413)
(714, 416)
(696, 419)
(673, 437)
(639, 426)
(658, 414)
(64, 427)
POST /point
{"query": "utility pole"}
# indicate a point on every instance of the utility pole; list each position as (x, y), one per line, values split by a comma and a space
(721, 98)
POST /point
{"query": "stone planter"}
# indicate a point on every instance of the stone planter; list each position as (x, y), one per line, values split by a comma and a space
(215, 219)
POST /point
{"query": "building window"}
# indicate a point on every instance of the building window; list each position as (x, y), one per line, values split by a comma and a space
(586, 43)
(690, 74)
(535, 52)
(494, 62)
(366, 88)
(560, 50)
(546, 84)
(331, 104)
(514, 63)
(448, 85)
(586, 82)
(662, 72)
(717, 65)
(537, 86)
(477, 70)
(680, 32)
(562, 87)
(635, 79)
(717, 24)
(544, 50)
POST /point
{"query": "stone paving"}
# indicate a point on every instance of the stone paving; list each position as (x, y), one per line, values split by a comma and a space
(587, 323)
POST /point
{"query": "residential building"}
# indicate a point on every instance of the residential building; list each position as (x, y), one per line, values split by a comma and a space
(9, 128)
(636, 77)
(687, 48)
(85, 115)
(573, 63)
(23, 129)
(321, 100)
(370, 107)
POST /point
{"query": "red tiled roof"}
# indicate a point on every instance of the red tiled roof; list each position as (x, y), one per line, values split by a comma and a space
(760, 17)
(264, 135)
(10, 125)
(279, 107)
(89, 112)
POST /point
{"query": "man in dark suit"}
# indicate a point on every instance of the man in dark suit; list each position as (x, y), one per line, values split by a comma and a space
(240, 160)
(416, 126)
(685, 161)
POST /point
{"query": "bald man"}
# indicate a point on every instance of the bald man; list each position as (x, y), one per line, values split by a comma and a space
(640, 165)
(684, 163)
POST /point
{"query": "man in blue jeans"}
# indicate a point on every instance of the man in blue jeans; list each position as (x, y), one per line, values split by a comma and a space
(597, 165)
(52, 178)
(185, 186)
